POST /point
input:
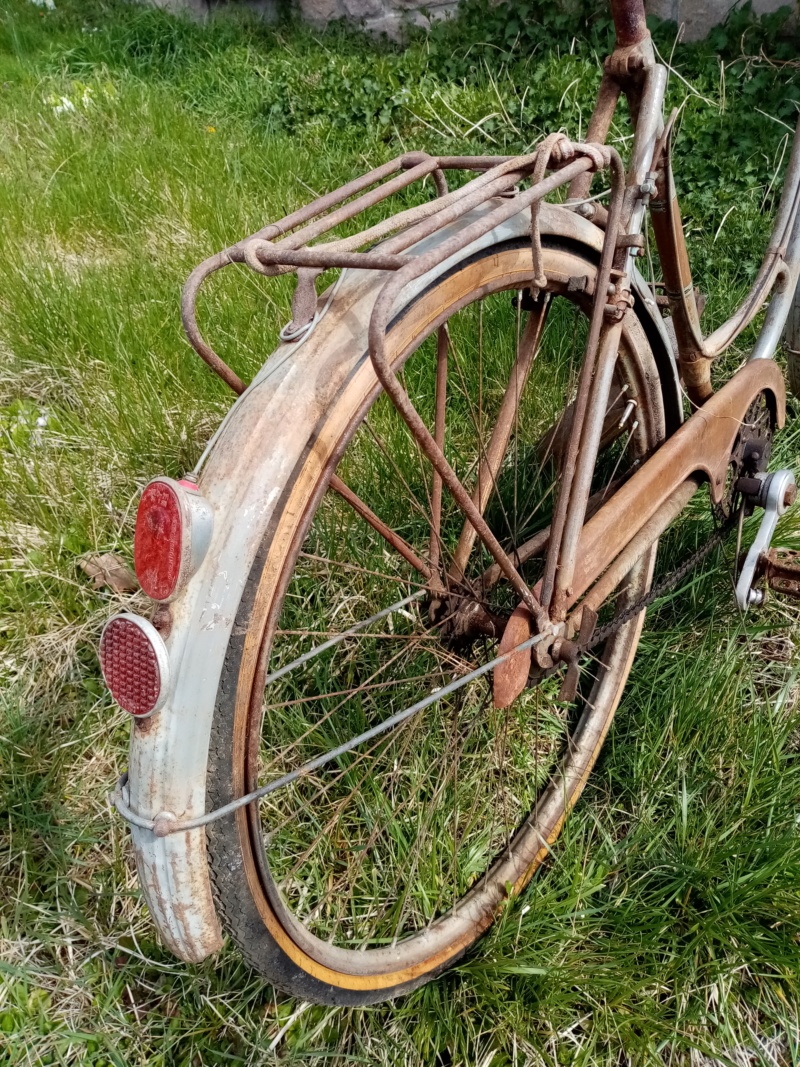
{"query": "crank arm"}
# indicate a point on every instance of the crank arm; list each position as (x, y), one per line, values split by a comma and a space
(777, 492)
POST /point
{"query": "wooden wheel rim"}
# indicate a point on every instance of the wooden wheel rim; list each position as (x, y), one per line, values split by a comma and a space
(495, 270)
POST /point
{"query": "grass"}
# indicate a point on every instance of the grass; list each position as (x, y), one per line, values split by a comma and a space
(667, 928)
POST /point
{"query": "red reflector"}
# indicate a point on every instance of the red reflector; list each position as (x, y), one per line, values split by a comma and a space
(134, 662)
(158, 540)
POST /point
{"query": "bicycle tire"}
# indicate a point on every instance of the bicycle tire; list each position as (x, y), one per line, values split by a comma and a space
(250, 909)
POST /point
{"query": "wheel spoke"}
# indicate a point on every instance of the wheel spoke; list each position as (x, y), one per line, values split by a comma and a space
(390, 816)
(505, 423)
(438, 436)
(369, 516)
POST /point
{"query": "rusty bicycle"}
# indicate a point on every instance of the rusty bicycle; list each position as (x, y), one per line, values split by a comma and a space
(398, 598)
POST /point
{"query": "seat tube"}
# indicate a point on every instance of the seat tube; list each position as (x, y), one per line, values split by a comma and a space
(629, 22)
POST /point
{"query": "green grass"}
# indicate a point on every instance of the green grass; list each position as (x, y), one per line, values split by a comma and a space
(667, 927)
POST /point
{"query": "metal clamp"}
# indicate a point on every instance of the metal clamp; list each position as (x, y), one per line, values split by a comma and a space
(776, 493)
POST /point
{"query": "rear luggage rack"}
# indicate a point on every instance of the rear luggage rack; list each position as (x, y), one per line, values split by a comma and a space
(284, 247)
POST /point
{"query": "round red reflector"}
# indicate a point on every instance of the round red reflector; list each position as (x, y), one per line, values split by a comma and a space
(134, 662)
(158, 540)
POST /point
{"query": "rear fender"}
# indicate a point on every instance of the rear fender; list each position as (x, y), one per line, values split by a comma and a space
(250, 461)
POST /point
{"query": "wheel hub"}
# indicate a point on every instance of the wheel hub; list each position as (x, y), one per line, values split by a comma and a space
(462, 616)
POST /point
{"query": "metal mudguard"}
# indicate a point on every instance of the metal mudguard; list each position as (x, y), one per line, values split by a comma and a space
(251, 459)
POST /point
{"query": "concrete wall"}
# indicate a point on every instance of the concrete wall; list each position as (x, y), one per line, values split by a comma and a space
(698, 16)
(390, 16)
(378, 16)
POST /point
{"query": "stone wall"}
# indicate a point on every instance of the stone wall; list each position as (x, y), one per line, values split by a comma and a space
(390, 16)
(378, 16)
(698, 16)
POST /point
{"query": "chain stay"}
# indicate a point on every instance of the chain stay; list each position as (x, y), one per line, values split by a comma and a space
(664, 585)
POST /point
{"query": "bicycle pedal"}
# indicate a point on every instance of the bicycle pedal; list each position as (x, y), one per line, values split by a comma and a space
(775, 493)
(780, 570)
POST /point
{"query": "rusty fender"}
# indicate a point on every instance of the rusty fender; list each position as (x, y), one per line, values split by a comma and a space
(169, 752)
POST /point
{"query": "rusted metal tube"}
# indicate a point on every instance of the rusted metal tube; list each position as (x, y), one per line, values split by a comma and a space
(599, 125)
(537, 544)
(411, 221)
(629, 22)
(442, 345)
(368, 515)
(325, 256)
(377, 332)
(500, 176)
(472, 162)
(355, 207)
(781, 304)
(421, 264)
(189, 320)
(487, 185)
(584, 384)
(696, 353)
(493, 455)
(702, 446)
(593, 421)
(329, 200)
(439, 179)
(773, 262)
(649, 125)
(638, 545)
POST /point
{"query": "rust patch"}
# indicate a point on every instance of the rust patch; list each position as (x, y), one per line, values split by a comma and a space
(511, 676)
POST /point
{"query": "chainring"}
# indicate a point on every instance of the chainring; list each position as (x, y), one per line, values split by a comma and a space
(750, 453)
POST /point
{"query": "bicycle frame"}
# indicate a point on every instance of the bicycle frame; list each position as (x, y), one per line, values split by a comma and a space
(586, 560)
(581, 557)
(578, 553)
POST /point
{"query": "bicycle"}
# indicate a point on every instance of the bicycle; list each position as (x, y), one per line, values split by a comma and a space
(430, 481)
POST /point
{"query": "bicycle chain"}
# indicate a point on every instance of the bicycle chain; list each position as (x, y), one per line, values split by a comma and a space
(663, 585)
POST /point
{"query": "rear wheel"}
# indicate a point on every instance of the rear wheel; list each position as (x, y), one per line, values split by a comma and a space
(371, 875)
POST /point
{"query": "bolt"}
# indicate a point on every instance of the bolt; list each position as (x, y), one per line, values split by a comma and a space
(647, 188)
(163, 823)
(790, 496)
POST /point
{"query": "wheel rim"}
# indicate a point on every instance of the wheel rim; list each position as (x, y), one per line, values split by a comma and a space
(443, 931)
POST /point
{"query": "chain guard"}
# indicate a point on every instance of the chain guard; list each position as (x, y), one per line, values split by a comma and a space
(750, 455)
